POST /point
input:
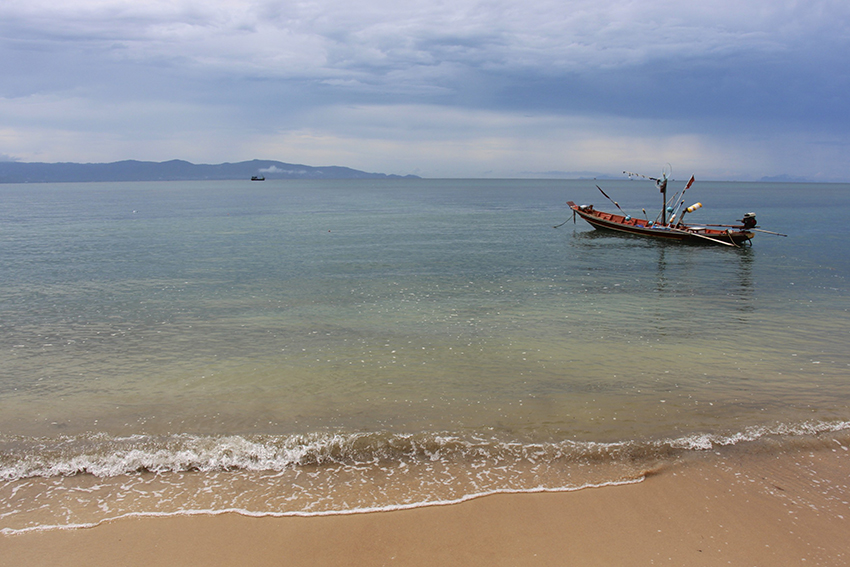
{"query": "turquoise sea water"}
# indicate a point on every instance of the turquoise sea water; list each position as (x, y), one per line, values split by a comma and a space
(308, 347)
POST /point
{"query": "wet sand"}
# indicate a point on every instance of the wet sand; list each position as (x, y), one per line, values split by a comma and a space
(773, 510)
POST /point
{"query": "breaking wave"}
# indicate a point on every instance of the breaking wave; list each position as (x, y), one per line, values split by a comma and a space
(102, 455)
(54, 483)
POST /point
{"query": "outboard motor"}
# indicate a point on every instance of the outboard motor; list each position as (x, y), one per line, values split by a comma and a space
(749, 221)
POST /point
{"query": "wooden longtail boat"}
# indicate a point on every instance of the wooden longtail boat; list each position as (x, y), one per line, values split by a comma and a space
(690, 233)
(667, 226)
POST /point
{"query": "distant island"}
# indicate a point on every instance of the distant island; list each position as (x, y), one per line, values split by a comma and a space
(174, 170)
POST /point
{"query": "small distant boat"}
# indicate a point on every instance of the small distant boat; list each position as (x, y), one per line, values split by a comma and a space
(258, 178)
(669, 225)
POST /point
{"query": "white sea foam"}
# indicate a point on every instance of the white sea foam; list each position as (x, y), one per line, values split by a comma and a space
(306, 514)
(104, 456)
(708, 441)
(435, 470)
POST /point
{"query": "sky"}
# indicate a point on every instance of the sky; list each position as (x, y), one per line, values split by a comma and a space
(734, 90)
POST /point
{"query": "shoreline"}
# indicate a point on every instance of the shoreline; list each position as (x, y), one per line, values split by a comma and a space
(738, 509)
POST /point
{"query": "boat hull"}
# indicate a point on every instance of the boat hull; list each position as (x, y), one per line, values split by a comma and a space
(639, 227)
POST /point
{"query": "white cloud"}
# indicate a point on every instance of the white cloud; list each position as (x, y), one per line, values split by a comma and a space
(333, 37)
(504, 85)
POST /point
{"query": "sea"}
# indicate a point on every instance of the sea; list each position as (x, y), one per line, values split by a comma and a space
(314, 347)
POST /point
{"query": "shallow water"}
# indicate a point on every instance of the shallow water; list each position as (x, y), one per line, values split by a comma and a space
(314, 347)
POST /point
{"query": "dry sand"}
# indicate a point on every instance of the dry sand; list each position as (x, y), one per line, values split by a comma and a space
(740, 510)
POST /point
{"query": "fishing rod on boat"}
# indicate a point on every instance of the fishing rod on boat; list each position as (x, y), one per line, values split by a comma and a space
(677, 211)
(616, 204)
(671, 220)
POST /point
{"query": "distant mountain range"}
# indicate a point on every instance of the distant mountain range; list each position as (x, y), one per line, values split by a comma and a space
(174, 170)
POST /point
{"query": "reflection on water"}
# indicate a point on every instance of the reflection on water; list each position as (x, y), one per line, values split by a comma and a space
(678, 267)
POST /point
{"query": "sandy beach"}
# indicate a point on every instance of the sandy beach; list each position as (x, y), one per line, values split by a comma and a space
(787, 509)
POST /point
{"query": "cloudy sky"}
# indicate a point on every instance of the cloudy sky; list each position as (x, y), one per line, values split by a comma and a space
(440, 88)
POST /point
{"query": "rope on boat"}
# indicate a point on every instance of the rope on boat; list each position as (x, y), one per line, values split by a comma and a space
(566, 221)
(729, 234)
